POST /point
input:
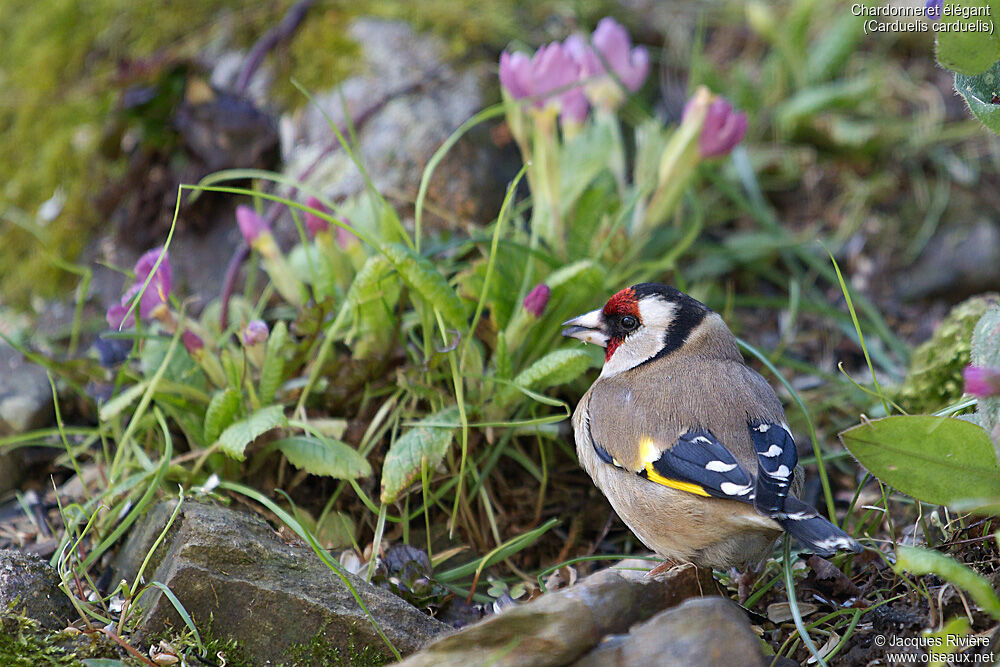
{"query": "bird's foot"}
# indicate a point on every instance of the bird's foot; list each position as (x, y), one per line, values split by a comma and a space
(744, 582)
(663, 567)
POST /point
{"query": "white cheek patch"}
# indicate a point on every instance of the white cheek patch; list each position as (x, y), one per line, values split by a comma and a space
(646, 341)
(656, 313)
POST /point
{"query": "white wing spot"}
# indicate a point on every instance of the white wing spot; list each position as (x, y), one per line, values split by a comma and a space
(719, 466)
(703, 439)
(801, 516)
(764, 428)
(783, 472)
(731, 489)
(773, 451)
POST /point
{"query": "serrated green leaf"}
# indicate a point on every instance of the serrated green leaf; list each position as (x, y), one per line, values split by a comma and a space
(557, 367)
(407, 455)
(272, 371)
(234, 440)
(371, 299)
(979, 91)
(221, 412)
(324, 456)
(420, 274)
(938, 460)
(968, 52)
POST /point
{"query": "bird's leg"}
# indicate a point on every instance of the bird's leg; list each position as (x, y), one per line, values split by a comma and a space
(745, 581)
(662, 567)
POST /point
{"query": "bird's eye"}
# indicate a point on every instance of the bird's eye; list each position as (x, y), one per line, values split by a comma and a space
(629, 322)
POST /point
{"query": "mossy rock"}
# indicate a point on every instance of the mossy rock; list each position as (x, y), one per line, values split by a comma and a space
(934, 379)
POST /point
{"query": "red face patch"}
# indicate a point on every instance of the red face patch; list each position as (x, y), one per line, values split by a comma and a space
(622, 303)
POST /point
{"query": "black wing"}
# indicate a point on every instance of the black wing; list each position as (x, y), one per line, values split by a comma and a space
(776, 461)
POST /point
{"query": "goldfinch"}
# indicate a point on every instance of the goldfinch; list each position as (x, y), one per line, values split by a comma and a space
(688, 443)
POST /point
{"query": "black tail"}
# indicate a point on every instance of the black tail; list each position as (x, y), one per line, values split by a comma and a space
(813, 531)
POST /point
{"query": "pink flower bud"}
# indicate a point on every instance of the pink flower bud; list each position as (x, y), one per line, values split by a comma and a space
(192, 341)
(982, 381)
(255, 333)
(314, 223)
(723, 129)
(251, 224)
(537, 299)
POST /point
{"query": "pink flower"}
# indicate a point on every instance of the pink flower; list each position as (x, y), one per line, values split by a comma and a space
(982, 381)
(155, 294)
(612, 47)
(547, 77)
(723, 129)
(256, 332)
(537, 299)
(314, 223)
(251, 224)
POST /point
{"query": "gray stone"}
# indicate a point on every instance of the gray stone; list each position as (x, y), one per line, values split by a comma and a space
(405, 105)
(30, 586)
(559, 627)
(25, 404)
(269, 595)
(705, 632)
(959, 261)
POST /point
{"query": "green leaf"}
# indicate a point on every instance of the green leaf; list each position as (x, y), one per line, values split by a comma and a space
(221, 412)
(419, 273)
(324, 456)
(583, 157)
(927, 561)
(234, 440)
(113, 407)
(371, 300)
(272, 372)
(938, 460)
(555, 368)
(978, 92)
(312, 266)
(419, 446)
(968, 52)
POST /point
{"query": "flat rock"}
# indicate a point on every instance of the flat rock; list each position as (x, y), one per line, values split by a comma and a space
(557, 628)
(31, 587)
(703, 632)
(232, 570)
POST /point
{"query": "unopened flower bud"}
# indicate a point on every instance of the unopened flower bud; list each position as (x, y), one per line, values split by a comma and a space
(314, 223)
(255, 333)
(982, 381)
(252, 226)
(537, 299)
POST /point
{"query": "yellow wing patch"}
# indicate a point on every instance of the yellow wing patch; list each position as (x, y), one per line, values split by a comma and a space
(648, 453)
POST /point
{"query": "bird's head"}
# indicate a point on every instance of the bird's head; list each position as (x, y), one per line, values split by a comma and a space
(639, 324)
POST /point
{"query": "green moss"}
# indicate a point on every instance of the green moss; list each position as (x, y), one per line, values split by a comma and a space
(935, 376)
(319, 56)
(24, 644)
(319, 651)
(58, 88)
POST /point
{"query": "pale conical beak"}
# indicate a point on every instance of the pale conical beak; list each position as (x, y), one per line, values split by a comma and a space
(588, 327)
